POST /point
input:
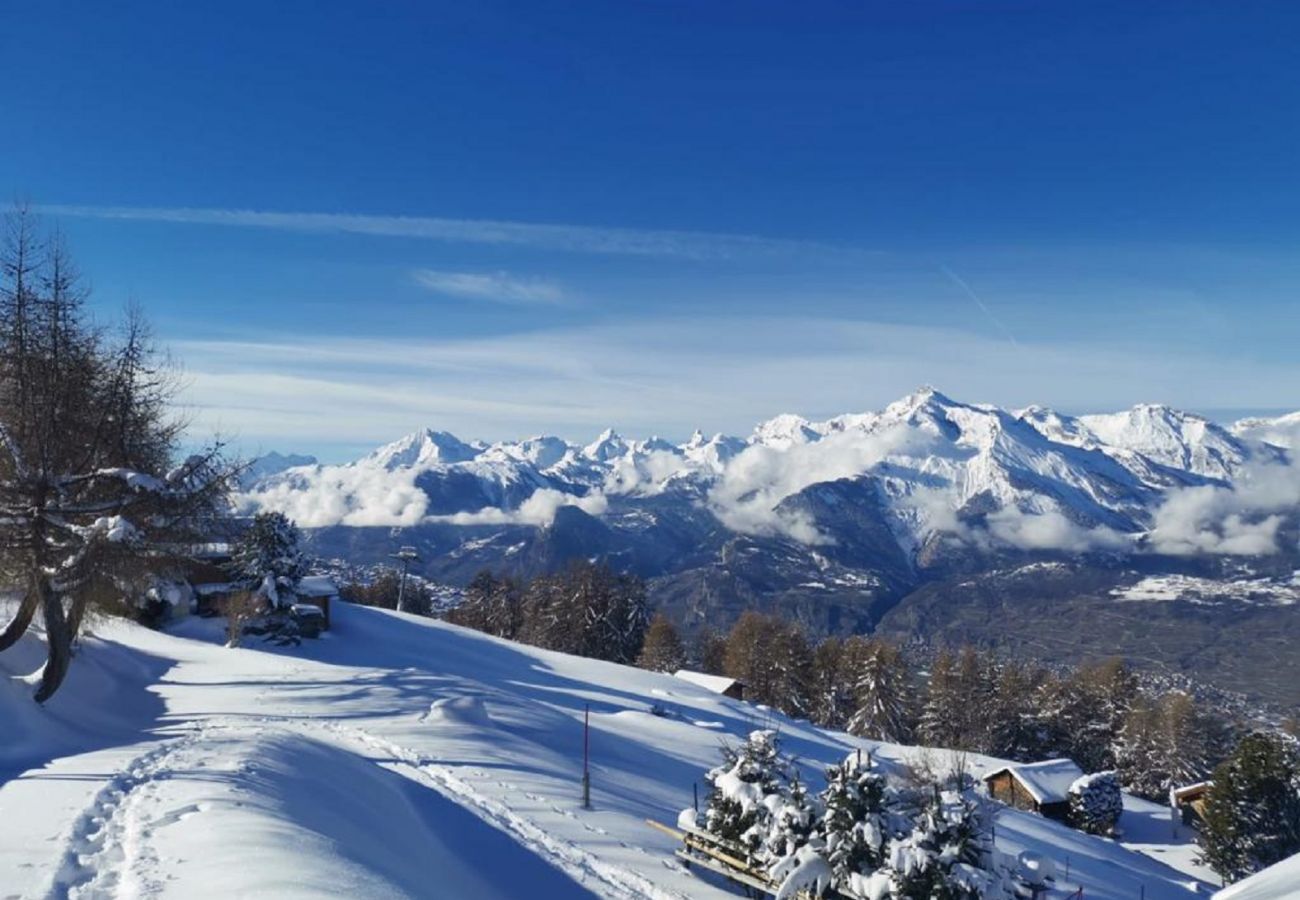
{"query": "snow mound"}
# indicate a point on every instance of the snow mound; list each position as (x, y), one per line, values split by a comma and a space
(458, 711)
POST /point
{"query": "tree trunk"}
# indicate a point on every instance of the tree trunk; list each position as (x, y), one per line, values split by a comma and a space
(76, 615)
(21, 621)
(58, 636)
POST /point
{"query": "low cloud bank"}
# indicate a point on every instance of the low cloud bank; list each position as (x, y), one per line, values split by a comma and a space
(1240, 520)
(1051, 530)
(753, 484)
(539, 509)
(342, 495)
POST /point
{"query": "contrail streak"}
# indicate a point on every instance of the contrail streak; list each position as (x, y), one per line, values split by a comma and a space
(957, 280)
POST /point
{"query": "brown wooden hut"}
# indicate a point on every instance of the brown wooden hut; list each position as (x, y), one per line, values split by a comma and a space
(1041, 787)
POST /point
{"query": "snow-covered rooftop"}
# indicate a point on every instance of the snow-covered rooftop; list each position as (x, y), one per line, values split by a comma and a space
(1047, 781)
(216, 587)
(717, 683)
(1280, 881)
(317, 586)
(1188, 791)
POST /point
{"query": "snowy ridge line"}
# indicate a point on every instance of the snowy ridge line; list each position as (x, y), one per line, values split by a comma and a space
(614, 881)
(1152, 479)
(105, 842)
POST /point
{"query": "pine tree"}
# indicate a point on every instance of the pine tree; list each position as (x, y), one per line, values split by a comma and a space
(473, 610)
(1166, 742)
(975, 676)
(883, 696)
(553, 615)
(854, 822)
(943, 856)
(832, 691)
(1015, 729)
(710, 652)
(504, 609)
(268, 558)
(1084, 713)
(1252, 811)
(792, 658)
(941, 713)
(749, 773)
(586, 610)
(788, 824)
(662, 650)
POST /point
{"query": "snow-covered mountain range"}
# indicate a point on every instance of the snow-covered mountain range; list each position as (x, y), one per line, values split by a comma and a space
(932, 519)
(941, 470)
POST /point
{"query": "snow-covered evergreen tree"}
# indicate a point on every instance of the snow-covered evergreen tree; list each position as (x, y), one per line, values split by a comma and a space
(1252, 811)
(860, 835)
(268, 559)
(945, 856)
(941, 713)
(1096, 803)
(792, 813)
(748, 776)
(883, 694)
(1015, 729)
(854, 825)
(1168, 741)
(832, 693)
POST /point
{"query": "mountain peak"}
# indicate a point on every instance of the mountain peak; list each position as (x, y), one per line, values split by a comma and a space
(606, 446)
(424, 446)
(785, 430)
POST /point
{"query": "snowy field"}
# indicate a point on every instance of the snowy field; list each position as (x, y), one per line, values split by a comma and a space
(402, 757)
(1257, 591)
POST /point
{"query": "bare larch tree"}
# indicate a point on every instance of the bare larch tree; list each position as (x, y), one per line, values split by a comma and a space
(91, 503)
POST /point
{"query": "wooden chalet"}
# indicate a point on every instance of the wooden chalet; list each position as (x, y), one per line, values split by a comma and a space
(719, 684)
(1041, 787)
(1187, 803)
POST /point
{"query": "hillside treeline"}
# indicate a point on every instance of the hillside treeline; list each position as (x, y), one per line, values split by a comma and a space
(586, 609)
(1097, 714)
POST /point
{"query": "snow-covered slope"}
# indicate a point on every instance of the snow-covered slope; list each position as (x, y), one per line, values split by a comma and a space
(1277, 882)
(403, 757)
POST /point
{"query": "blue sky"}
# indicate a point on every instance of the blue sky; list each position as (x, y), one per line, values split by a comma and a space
(350, 220)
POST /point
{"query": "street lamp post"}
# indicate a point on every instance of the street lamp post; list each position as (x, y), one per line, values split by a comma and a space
(407, 555)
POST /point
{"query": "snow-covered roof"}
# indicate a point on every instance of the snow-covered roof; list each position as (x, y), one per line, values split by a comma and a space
(1188, 791)
(215, 550)
(1277, 882)
(317, 586)
(719, 684)
(1047, 781)
(214, 587)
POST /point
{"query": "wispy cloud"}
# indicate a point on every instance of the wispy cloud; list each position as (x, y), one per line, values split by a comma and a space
(573, 238)
(496, 287)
